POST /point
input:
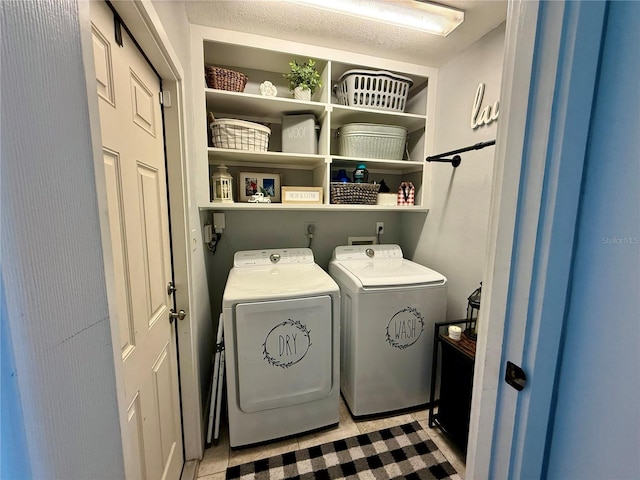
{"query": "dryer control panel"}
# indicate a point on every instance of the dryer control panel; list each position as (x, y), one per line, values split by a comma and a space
(367, 252)
(285, 256)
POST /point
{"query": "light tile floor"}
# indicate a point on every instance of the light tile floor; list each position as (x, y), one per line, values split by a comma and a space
(220, 456)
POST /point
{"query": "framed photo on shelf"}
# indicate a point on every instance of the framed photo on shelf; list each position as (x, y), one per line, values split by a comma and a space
(250, 183)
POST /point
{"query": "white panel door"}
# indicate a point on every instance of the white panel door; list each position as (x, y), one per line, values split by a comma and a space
(134, 163)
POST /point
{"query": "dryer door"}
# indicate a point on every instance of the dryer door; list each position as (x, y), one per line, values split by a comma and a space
(284, 352)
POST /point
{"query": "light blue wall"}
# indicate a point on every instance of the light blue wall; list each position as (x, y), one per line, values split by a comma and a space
(596, 432)
(14, 456)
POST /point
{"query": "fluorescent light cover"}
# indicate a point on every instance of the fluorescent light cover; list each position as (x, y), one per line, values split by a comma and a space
(412, 14)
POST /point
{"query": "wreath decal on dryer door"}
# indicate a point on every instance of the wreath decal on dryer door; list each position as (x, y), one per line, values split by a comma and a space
(404, 328)
(286, 344)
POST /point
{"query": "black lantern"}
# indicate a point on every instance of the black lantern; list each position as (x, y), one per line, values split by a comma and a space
(473, 309)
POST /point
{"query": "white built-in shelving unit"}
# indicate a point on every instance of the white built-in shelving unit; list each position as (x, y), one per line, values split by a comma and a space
(262, 59)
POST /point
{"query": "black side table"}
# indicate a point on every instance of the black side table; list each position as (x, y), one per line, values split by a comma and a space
(456, 383)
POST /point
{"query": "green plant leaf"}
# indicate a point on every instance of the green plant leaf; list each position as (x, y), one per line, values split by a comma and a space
(303, 75)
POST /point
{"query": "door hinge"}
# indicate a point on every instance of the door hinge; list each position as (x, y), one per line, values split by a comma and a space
(117, 28)
(515, 376)
(165, 98)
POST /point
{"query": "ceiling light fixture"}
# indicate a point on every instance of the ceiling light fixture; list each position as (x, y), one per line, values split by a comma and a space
(413, 14)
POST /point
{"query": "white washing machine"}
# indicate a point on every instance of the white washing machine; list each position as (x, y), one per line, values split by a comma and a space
(282, 340)
(388, 309)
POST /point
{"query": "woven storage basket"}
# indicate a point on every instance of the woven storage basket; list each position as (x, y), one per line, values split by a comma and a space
(376, 89)
(354, 193)
(240, 135)
(225, 79)
(371, 140)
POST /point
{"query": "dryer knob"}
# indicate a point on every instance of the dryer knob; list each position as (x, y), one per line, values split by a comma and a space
(370, 252)
(274, 257)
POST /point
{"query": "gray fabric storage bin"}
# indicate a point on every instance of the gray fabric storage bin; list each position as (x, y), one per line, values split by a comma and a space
(371, 140)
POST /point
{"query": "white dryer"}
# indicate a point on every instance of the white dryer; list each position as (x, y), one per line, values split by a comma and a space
(282, 340)
(389, 308)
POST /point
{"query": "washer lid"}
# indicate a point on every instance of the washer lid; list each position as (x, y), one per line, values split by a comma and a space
(392, 272)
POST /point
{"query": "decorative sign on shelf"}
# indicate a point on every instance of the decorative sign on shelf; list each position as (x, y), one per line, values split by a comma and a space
(302, 195)
(485, 116)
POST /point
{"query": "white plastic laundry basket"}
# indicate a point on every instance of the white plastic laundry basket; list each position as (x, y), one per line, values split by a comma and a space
(376, 89)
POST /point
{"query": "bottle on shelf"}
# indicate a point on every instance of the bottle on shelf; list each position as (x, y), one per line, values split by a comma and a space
(342, 176)
(361, 174)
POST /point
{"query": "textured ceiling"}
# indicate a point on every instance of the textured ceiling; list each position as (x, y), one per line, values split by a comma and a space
(309, 25)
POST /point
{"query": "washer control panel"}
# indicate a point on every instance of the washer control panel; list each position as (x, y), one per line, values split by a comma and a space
(285, 256)
(367, 252)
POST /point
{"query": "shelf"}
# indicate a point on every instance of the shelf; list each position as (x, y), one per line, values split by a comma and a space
(318, 208)
(267, 61)
(266, 159)
(272, 108)
(377, 165)
(267, 109)
(306, 161)
(342, 114)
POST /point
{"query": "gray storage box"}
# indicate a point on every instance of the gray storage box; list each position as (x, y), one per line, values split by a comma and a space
(299, 134)
(371, 140)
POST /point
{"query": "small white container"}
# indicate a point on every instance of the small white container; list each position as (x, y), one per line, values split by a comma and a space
(372, 140)
(299, 134)
(455, 332)
(387, 199)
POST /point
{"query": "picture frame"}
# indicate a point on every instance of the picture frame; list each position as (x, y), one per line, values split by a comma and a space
(250, 183)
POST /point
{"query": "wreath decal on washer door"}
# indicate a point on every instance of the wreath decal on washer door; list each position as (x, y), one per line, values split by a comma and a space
(286, 344)
(404, 328)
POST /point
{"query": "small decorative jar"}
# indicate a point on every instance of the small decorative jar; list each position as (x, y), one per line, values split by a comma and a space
(222, 186)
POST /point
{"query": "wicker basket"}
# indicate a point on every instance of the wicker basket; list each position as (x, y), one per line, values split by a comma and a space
(354, 193)
(224, 79)
(240, 135)
(379, 90)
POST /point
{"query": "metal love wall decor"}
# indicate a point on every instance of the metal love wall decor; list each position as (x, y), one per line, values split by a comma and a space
(485, 116)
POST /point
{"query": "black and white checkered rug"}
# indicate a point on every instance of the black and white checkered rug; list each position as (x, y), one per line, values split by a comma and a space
(405, 451)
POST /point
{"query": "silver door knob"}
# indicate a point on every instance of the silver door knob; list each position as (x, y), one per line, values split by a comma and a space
(179, 315)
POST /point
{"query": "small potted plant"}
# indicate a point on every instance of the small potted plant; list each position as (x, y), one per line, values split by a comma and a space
(304, 79)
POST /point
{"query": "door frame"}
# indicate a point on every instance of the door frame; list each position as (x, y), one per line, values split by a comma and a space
(144, 23)
(548, 83)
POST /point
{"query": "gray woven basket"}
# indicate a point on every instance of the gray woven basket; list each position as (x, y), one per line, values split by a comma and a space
(354, 193)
